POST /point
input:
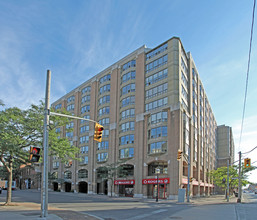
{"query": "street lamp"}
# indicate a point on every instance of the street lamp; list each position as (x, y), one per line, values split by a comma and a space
(157, 171)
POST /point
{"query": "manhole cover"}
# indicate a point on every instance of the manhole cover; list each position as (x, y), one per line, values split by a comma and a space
(175, 217)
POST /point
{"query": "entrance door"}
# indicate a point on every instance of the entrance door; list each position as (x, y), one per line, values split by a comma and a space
(162, 194)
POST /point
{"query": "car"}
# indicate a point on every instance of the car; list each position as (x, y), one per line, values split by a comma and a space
(255, 192)
(0, 190)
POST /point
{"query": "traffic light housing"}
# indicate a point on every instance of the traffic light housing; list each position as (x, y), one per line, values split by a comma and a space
(34, 154)
(191, 179)
(247, 162)
(179, 154)
(98, 132)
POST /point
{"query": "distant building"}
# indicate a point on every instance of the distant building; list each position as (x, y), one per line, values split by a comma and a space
(151, 103)
(225, 146)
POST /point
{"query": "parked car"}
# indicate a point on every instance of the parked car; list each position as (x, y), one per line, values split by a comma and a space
(0, 189)
(255, 192)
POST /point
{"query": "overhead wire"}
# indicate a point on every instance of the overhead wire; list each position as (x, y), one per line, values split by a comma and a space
(247, 76)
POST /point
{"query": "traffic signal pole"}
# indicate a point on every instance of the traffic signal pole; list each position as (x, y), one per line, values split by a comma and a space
(47, 113)
(239, 180)
(188, 175)
(44, 184)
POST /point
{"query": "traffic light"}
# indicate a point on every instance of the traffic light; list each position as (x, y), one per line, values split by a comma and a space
(179, 154)
(247, 162)
(34, 154)
(98, 132)
(191, 179)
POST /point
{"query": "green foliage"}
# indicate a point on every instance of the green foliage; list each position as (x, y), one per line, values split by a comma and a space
(20, 129)
(221, 174)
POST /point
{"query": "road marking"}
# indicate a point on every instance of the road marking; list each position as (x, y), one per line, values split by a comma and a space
(146, 215)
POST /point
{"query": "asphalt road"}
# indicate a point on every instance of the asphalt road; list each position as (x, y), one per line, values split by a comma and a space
(106, 208)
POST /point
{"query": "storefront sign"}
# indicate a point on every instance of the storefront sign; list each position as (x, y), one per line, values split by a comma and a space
(124, 182)
(154, 181)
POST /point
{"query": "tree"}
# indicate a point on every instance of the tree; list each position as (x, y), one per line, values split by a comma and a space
(219, 176)
(21, 129)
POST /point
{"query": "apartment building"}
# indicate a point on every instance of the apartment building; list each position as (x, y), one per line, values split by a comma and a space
(225, 146)
(151, 103)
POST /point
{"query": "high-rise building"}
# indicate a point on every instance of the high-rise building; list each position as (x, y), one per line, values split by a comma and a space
(151, 103)
(225, 146)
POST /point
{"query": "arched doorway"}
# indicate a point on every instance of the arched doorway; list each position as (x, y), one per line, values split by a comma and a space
(67, 186)
(55, 186)
(83, 187)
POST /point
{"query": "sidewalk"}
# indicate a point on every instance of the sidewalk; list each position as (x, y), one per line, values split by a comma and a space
(32, 211)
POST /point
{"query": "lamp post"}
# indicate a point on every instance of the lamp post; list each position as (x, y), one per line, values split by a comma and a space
(157, 171)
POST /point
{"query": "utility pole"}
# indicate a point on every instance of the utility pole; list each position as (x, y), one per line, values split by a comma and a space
(239, 182)
(188, 175)
(228, 181)
(44, 188)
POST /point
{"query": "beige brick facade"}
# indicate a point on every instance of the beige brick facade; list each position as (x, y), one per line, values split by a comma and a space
(151, 103)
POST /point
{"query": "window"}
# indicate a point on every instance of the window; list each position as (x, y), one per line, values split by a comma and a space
(70, 125)
(157, 132)
(84, 160)
(128, 76)
(69, 134)
(157, 51)
(84, 149)
(105, 133)
(85, 99)
(129, 64)
(83, 173)
(183, 65)
(158, 117)
(157, 147)
(67, 175)
(70, 107)
(158, 90)
(156, 104)
(128, 126)
(85, 108)
(129, 113)
(105, 88)
(156, 77)
(157, 63)
(104, 121)
(83, 121)
(128, 139)
(126, 153)
(83, 129)
(102, 157)
(56, 164)
(105, 78)
(86, 89)
(59, 106)
(128, 101)
(104, 99)
(104, 111)
(163, 166)
(104, 145)
(84, 139)
(128, 88)
(71, 99)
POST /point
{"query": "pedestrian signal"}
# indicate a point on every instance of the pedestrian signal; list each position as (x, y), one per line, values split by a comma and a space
(34, 154)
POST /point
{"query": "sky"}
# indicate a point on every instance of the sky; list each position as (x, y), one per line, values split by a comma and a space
(78, 39)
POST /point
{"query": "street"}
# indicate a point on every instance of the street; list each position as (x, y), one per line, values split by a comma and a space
(104, 207)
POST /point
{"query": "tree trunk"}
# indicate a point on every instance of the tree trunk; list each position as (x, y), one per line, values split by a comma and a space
(9, 186)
